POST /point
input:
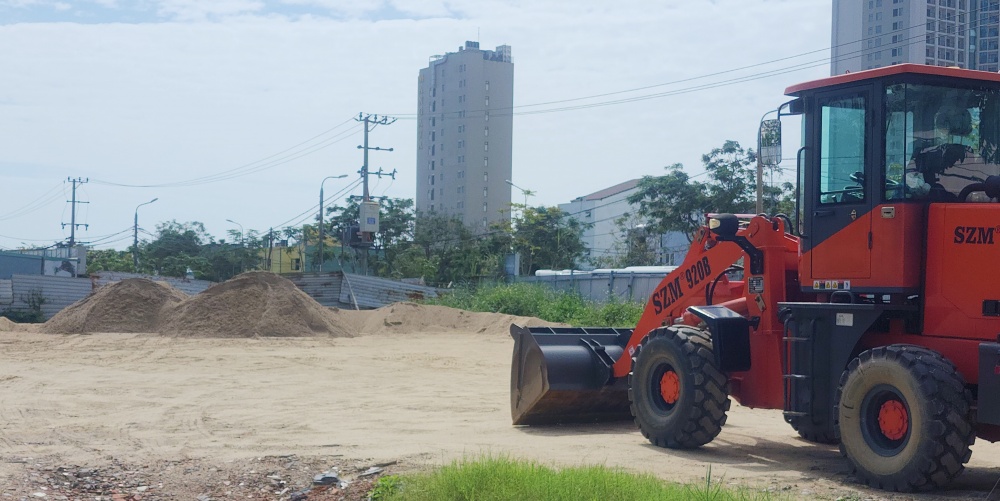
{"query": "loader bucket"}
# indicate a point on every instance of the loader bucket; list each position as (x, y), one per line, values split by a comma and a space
(563, 375)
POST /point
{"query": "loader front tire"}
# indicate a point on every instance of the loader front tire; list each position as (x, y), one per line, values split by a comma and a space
(678, 396)
(904, 418)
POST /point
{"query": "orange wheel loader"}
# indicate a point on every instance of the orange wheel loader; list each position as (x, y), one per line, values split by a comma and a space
(870, 316)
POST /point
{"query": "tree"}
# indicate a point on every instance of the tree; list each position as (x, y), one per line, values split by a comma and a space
(672, 202)
(450, 246)
(547, 238)
(109, 260)
(733, 173)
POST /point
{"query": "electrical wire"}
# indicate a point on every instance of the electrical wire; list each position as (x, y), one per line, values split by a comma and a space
(268, 162)
(746, 78)
(306, 214)
(44, 200)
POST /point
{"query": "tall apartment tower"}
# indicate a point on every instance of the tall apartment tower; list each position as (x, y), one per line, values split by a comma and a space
(464, 132)
(874, 33)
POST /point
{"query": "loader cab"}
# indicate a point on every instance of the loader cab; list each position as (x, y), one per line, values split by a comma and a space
(879, 147)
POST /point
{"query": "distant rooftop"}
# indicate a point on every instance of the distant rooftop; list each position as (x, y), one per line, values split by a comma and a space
(614, 190)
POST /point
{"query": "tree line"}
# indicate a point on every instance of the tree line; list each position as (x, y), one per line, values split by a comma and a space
(444, 251)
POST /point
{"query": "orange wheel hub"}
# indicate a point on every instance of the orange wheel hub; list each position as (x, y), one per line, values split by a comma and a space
(670, 387)
(893, 421)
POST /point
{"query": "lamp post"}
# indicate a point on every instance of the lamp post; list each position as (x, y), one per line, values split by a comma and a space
(241, 230)
(241, 242)
(321, 216)
(525, 192)
(135, 235)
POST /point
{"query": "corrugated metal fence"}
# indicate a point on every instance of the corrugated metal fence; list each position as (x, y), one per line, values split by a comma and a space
(346, 290)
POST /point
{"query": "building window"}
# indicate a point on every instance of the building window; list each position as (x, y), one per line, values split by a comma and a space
(484, 210)
(485, 192)
(432, 165)
(433, 136)
(461, 128)
(432, 180)
(486, 132)
(486, 161)
(432, 194)
(296, 264)
(434, 106)
(487, 100)
(487, 85)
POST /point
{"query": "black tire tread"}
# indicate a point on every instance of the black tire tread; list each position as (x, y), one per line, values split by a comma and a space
(711, 390)
(946, 451)
(814, 432)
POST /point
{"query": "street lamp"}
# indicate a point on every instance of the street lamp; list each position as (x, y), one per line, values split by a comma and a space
(135, 235)
(321, 216)
(241, 242)
(525, 192)
(241, 230)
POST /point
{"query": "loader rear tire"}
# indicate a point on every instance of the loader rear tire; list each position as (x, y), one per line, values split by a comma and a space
(678, 396)
(904, 418)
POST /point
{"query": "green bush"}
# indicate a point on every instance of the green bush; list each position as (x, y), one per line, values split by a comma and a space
(535, 300)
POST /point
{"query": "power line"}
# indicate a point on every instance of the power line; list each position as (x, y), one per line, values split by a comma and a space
(262, 164)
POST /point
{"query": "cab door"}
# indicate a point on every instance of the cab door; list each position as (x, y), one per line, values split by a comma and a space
(840, 199)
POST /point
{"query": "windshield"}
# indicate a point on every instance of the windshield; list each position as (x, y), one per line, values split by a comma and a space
(939, 140)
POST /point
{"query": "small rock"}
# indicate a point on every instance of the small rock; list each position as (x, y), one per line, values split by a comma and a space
(39, 494)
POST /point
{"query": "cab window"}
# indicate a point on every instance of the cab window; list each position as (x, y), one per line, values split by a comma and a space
(842, 150)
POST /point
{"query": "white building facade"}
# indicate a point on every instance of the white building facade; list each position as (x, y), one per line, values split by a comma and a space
(605, 239)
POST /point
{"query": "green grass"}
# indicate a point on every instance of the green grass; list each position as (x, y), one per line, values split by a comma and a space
(533, 300)
(502, 478)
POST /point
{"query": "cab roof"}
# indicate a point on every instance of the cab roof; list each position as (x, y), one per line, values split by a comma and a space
(897, 69)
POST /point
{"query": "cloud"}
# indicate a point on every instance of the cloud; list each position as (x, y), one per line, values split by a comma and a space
(211, 86)
(200, 10)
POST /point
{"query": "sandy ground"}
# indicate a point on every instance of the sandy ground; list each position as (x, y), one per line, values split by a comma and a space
(410, 400)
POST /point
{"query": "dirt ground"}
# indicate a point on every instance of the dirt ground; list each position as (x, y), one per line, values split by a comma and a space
(128, 416)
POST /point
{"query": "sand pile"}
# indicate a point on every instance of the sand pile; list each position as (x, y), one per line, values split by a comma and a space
(132, 305)
(7, 325)
(253, 304)
(412, 317)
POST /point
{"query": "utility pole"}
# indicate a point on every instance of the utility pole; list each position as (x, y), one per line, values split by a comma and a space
(72, 220)
(369, 223)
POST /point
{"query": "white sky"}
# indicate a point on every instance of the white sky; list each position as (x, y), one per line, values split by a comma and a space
(153, 92)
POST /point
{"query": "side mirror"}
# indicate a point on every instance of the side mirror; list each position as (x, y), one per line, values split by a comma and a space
(769, 142)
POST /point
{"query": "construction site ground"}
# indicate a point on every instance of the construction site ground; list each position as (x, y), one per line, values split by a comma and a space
(147, 415)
